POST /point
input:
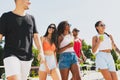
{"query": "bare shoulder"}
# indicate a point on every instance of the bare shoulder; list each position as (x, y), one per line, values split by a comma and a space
(60, 37)
(42, 38)
(94, 37)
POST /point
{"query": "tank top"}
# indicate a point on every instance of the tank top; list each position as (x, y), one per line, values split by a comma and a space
(66, 40)
(78, 46)
(106, 43)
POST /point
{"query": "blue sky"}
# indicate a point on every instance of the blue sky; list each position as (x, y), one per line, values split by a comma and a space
(82, 14)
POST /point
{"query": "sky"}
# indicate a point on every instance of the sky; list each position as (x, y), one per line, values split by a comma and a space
(81, 14)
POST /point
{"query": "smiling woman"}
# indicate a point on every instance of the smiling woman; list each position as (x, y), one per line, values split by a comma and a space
(102, 44)
(67, 60)
(49, 49)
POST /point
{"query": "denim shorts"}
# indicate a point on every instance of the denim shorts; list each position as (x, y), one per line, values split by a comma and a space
(105, 61)
(66, 59)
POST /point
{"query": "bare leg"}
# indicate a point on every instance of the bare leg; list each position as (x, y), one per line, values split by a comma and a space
(42, 75)
(114, 76)
(25, 69)
(72, 78)
(75, 72)
(106, 74)
(55, 74)
(13, 77)
(64, 73)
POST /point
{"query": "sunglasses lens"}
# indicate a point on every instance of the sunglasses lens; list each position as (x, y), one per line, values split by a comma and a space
(52, 27)
(102, 25)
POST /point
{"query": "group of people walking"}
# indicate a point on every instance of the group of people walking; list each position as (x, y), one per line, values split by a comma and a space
(19, 30)
(61, 41)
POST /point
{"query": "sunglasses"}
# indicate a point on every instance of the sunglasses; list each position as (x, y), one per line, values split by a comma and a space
(68, 24)
(102, 25)
(52, 27)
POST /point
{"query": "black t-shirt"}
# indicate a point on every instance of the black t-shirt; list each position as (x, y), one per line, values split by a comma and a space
(18, 32)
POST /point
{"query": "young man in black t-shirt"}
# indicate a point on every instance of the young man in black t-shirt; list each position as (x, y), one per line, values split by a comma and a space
(19, 30)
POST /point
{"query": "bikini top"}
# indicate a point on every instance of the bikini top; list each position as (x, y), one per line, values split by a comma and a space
(48, 47)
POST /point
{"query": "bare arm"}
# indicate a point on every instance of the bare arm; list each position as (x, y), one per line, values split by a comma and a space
(83, 56)
(114, 45)
(1, 36)
(95, 43)
(65, 47)
(39, 56)
(39, 45)
(55, 57)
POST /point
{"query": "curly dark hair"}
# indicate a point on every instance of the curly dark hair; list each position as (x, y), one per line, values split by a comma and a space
(61, 27)
(54, 34)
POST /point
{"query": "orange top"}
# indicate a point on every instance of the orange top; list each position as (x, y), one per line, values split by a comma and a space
(48, 47)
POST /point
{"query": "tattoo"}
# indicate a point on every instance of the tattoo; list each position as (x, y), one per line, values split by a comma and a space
(117, 50)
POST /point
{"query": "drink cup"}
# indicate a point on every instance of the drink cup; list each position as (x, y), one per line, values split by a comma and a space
(101, 37)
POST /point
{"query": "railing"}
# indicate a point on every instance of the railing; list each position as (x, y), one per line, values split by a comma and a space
(35, 67)
(1, 66)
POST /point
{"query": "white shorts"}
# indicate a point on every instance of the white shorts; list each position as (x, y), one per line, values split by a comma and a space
(14, 66)
(51, 62)
(105, 61)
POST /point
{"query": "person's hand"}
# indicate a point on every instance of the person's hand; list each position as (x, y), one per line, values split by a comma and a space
(84, 58)
(41, 58)
(47, 68)
(38, 57)
(80, 60)
(71, 44)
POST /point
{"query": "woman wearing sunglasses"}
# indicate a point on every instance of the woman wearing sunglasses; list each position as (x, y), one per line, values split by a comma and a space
(102, 44)
(49, 49)
(67, 59)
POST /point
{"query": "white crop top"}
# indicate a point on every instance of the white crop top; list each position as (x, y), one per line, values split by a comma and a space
(66, 40)
(106, 43)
